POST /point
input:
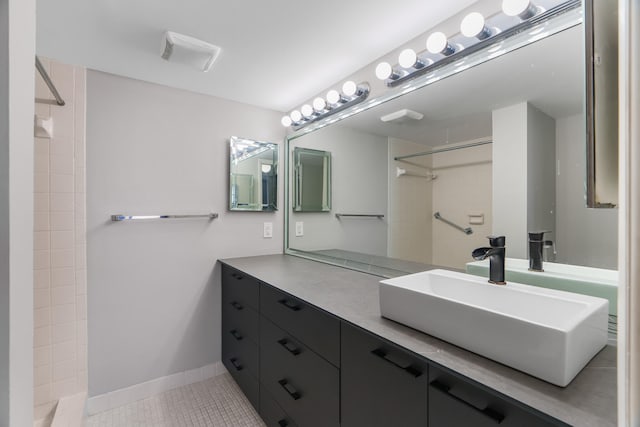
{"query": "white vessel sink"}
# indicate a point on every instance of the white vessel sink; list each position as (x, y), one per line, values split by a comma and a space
(546, 333)
(597, 282)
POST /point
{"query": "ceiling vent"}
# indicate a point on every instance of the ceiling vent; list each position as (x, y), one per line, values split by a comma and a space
(189, 51)
(402, 116)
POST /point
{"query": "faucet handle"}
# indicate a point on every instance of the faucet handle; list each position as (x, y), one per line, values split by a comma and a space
(496, 241)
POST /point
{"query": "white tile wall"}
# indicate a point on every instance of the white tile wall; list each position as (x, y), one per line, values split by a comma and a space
(60, 327)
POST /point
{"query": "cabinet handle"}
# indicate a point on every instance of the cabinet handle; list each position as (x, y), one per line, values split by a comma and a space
(236, 364)
(487, 412)
(237, 305)
(405, 367)
(283, 423)
(289, 346)
(295, 395)
(237, 276)
(236, 335)
(291, 305)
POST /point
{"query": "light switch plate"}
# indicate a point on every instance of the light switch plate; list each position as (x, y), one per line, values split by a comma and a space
(299, 228)
(268, 230)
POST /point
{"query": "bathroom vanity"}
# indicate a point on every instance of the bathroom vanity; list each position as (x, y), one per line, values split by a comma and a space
(307, 345)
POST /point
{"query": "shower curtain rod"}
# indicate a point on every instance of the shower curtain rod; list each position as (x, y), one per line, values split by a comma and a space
(442, 150)
(49, 83)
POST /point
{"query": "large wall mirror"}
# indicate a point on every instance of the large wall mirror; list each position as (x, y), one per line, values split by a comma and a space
(253, 175)
(500, 149)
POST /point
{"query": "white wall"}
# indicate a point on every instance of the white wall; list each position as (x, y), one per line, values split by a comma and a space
(153, 287)
(584, 236)
(358, 185)
(17, 50)
(463, 187)
(409, 233)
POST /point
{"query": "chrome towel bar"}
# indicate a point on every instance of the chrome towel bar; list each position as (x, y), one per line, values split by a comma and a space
(467, 230)
(128, 217)
(379, 216)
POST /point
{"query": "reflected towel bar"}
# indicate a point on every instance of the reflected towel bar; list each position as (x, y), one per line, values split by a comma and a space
(443, 150)
(379, 216)
(49, 83)
(127, 217)
(467, 230)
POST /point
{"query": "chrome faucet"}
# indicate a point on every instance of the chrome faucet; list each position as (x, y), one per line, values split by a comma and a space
(496, 254)
(536, 246)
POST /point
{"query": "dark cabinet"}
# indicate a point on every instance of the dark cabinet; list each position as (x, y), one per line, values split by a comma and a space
(272, 414)
(456, 401)
(381, 384)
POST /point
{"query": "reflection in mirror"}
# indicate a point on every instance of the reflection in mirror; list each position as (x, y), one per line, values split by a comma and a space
(530, 104)
(312, 180)
(253, 175)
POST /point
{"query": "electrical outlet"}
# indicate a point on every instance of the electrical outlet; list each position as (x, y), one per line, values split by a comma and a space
(299, 228)
(268, 230)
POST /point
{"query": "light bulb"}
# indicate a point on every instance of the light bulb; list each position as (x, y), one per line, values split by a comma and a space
(319, 104)
(333, 97)
(408, 58)
(349, 88)
(384, 71)
(437, 43)
(521, 8)
(473, 26)
(286, 121)
(296, 116)
(306, 110)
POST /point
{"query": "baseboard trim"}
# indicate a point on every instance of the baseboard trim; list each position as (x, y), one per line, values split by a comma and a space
(114, 399)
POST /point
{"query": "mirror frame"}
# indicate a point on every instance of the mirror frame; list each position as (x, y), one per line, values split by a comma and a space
(298, 178)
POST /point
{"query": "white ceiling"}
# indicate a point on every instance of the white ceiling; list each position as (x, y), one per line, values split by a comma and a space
(275, 54)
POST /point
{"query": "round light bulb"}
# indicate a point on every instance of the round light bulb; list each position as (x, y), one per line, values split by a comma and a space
(407, 58)
(384, 71)
(472, 25)
(306, 110)
(437, 42)
(286, 121)
(349, 88)
(296, 116)
(319, 104)
(333, 96)
(516, 7)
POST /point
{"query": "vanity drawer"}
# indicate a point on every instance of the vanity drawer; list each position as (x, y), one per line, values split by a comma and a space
(315, 328)
(305, 385)
(241, 323)
(240, 357)
(239, 288)
(271, 413)
(381, 384)
(454, 402)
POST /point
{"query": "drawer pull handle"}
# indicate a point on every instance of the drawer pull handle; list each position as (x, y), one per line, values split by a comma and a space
(236, 364)
(237, 305)
(398, 364)
(283, 423)
(289, 346)
(236, 335)
(487, 412)
(237, 276)
(295, 395)
(291, 305)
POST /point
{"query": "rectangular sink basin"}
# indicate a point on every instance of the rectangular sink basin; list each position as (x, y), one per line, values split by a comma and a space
(597, 282)
(546, 333)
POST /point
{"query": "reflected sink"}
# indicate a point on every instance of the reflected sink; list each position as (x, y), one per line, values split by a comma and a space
(597, 282)
(546, 333)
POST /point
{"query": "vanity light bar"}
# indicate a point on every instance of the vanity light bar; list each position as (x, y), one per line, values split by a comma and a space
(333, 103)
(475, 34)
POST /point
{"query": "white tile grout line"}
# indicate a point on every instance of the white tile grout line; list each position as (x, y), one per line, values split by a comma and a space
(114, 399)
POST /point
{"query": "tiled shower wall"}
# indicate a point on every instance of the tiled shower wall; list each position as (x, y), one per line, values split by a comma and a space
(60, 307)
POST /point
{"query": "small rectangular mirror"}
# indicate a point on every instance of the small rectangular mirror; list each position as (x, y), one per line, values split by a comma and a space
(312, 180)
(253, 175)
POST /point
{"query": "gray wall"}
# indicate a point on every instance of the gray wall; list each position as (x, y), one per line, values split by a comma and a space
(17, 49)
(584, 236)
(153, 287)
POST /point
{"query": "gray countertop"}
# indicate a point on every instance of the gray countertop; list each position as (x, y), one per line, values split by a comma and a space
(589, 400)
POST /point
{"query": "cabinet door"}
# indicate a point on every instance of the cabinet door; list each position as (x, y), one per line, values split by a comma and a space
(241, 289)
(272, 414)
(455, 401)
(382, 385)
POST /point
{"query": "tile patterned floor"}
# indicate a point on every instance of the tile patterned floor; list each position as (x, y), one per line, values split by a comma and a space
(217, 402)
